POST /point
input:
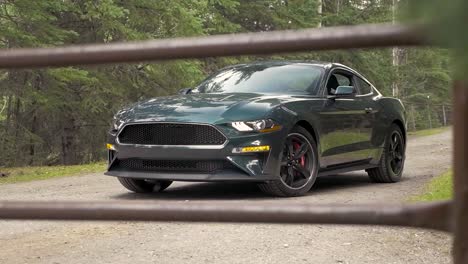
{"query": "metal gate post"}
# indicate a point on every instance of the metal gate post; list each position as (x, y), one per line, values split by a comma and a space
(460, 113)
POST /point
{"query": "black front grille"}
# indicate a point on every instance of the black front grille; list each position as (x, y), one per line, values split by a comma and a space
(171, 134)
(175, 165)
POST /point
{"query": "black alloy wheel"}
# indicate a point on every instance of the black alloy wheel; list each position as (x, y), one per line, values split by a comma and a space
(299, 165)
(396, 152)
(144, 186)
(392, 161)
(298, 161)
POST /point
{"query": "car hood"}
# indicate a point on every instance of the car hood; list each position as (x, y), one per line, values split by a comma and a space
(202, 108)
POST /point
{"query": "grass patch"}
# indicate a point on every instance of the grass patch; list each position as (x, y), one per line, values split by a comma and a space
(440, 188)
(24, 174)
(428, 132)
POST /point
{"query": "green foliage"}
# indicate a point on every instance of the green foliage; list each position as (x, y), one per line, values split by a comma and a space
(440, 188)
(428, 132)
(426, 72)
(61, 115)
(25, 174)
(448, 20)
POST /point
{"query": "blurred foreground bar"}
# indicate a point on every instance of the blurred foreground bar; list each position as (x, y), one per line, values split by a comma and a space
(344, 37)
(428, 215)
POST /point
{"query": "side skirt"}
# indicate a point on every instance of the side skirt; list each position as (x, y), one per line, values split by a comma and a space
(342, 168)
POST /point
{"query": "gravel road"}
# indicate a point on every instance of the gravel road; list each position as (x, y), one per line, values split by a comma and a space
(127, 242)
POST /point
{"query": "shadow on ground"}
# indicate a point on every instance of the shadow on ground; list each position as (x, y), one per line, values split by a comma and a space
(244, 191)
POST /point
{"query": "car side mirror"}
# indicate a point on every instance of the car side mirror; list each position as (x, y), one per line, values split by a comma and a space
(185, 91)
(345, 91)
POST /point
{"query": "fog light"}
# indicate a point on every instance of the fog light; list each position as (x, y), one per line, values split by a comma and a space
(110, 147)
(251, 149)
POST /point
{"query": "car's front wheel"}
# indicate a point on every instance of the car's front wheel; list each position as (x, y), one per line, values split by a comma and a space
(299, 166)
(144, 186)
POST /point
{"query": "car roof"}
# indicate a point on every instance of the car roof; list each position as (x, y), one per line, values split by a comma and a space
(324, 64)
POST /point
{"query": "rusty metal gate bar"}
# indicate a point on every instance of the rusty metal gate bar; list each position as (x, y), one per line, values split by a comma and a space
(446, 216)
(364, 36)
(460, 214)
(430, 215)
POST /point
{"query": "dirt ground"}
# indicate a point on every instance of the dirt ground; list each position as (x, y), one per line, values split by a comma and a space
(129, 242)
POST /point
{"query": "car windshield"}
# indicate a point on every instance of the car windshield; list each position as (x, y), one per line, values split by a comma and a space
(261, 78)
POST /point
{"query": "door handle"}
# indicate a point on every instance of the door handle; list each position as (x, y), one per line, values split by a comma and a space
(368, 110)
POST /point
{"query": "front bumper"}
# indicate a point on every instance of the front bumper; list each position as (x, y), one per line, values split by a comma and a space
(223, 176)
(256, 167)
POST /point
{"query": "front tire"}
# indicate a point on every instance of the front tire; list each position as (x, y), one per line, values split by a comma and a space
(392, 160)
(298, 168)
(144, 186)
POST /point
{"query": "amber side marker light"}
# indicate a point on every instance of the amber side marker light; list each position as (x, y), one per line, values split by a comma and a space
(274, 128)
(110, 146)
(251, 149)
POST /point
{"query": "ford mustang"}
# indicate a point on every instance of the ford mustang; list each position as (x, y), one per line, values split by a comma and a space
(278, 124)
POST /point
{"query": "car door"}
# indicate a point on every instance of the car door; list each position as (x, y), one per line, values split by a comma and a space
(344, 123)
(366, 95)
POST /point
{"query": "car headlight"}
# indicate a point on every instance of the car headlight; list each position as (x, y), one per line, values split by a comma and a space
(116, 124)
(263, 125)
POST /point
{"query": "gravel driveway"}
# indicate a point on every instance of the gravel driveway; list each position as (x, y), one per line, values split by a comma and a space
(127, 242)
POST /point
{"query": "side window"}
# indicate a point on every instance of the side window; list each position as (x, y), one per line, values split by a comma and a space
(338, 79)
(364, 87)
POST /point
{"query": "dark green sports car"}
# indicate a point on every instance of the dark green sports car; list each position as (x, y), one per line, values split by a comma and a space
(279, 124)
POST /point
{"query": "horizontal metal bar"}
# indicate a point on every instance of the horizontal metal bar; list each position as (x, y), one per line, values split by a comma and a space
(429, 215)
(344, 37)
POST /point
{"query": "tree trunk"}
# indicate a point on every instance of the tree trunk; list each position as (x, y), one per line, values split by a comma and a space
(68, 143)
(17, 115)
(397, 54)
(31, 140)
(37, 86)
(319, 11)
(8, 114)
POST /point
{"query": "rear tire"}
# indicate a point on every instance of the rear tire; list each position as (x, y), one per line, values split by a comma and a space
(392, 161)
(144, 186)
(297, 174)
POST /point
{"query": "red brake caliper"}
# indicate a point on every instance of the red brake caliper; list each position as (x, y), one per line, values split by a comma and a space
(302, 160)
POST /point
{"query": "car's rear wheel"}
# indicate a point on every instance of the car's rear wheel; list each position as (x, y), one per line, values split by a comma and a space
(392, 160)
(144, 186)
(299, 165)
